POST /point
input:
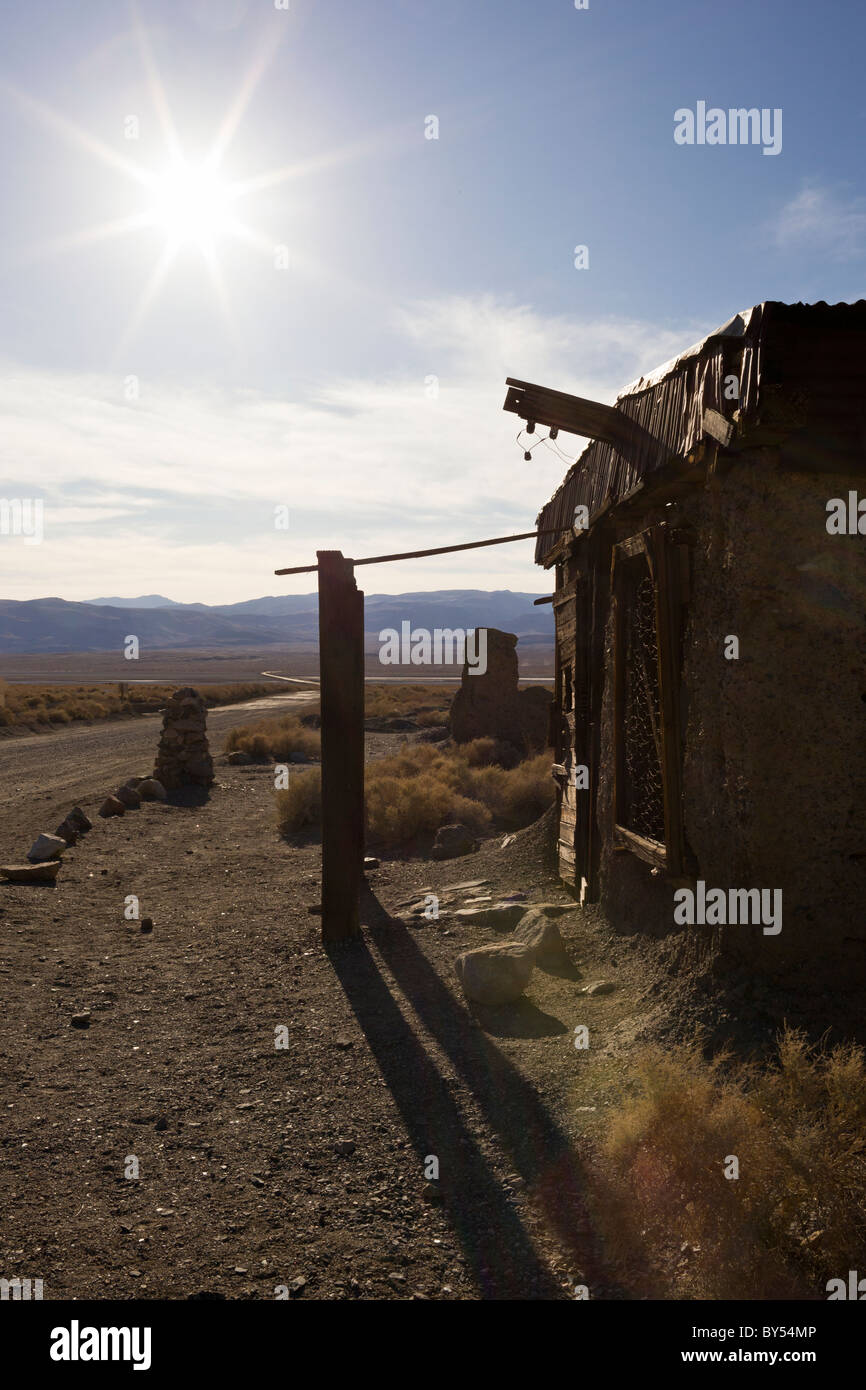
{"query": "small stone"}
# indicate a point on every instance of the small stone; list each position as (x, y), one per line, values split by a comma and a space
(81, 822)
(147, 924)
(151, 790)
(541, 935)
(46, 847)
(81, 1020)
(111, 807)
(31, 873)
(239, 758)
(452, 841)
(297, 1286)
(344, 1147)
(599, 987)
(370, 863)
(162, 1123)
(343, 1042)
(67, 832)
(129, 797)
(495, 974)
(501, 916)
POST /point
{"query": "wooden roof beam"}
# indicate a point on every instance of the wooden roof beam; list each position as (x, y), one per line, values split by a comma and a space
(559, 411)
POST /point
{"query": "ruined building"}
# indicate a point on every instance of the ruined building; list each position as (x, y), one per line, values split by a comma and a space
(710, 602)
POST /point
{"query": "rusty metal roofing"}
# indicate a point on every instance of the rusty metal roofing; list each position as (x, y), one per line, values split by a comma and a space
(813, 355)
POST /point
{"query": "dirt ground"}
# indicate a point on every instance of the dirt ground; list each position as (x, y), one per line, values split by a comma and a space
(301, 1168)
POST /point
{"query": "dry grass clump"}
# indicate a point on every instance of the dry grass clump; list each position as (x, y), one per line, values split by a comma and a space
(424, 786)
(35, 706)
(426, 704)
(796, 1215)
(275, 740)
(299, 805)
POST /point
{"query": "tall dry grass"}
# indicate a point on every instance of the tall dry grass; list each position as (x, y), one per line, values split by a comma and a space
(274, 739)
(423, 786)
(37, 706)
(795, 1216)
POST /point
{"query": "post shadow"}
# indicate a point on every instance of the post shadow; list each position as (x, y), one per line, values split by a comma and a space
(501, 1257)
(540, 1151)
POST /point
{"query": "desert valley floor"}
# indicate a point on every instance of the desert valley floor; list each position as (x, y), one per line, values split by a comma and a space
(300, 1168)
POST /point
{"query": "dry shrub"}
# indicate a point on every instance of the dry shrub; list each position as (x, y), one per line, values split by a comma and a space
(796, 1215)
(422, 787)
(275, 739)
(29, 706)
(299, 805)
(428, 705)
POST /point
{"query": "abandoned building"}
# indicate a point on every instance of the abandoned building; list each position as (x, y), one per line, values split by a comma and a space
(710, 604)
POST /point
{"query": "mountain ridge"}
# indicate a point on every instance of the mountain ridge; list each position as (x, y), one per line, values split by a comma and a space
(54, 625)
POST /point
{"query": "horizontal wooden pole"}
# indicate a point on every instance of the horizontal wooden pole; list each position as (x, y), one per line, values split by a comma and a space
(437, 550)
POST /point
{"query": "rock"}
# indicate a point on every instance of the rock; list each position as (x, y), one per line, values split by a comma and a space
(129, 797)
(554, 909)
(81, 1020)
(46, 847)
(370, 863)
(541, 935)
(297, 1286)
(67, 832)
(508, 841)
(111, 807)
(147, 924)
(598, 987)
(183, 757)
(495, 974)
(46, 872)
(134, 783)
(452, 841)
(151, 790)
(500, 916)
(239, 758)
(490, 704)
(344, 1147)
(460, 887)
(81, 822)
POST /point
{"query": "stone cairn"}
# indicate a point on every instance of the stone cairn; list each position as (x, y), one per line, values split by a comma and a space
(183, 757)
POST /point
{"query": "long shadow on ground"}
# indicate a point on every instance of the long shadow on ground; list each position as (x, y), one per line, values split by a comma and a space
(497, 1247)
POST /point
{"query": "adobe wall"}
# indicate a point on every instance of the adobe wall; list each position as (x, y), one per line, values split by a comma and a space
(774, 775)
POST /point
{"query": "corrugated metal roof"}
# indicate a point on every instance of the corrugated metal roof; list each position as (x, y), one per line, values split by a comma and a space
(816, 350)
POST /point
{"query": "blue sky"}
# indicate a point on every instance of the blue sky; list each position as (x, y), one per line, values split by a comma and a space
(163, 434)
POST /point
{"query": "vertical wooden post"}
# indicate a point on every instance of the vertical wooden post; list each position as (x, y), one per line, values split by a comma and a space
(341, 666)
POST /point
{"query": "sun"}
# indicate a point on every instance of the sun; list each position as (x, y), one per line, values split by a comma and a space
(191, 204)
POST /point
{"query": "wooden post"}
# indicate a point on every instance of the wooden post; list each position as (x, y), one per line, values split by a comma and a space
(341, 666)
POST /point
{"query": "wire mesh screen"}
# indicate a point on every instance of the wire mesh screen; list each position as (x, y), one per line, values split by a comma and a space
(643, 801)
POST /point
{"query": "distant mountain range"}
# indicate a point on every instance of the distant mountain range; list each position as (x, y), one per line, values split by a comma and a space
(101, 625)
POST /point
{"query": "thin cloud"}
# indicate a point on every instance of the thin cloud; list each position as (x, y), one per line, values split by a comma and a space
(818, 219)
(369, 465)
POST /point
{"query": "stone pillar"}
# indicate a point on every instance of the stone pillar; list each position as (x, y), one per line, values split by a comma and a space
(183, 757)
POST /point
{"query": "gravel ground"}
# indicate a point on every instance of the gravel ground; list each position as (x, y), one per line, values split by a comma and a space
(304, 1167)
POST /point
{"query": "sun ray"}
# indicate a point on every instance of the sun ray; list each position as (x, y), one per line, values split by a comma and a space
(155, 87)
(89, 236)
(75, 135)
(148, 294)
(233, 117)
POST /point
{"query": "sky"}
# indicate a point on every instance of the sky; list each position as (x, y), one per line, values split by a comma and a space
(264, 271)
